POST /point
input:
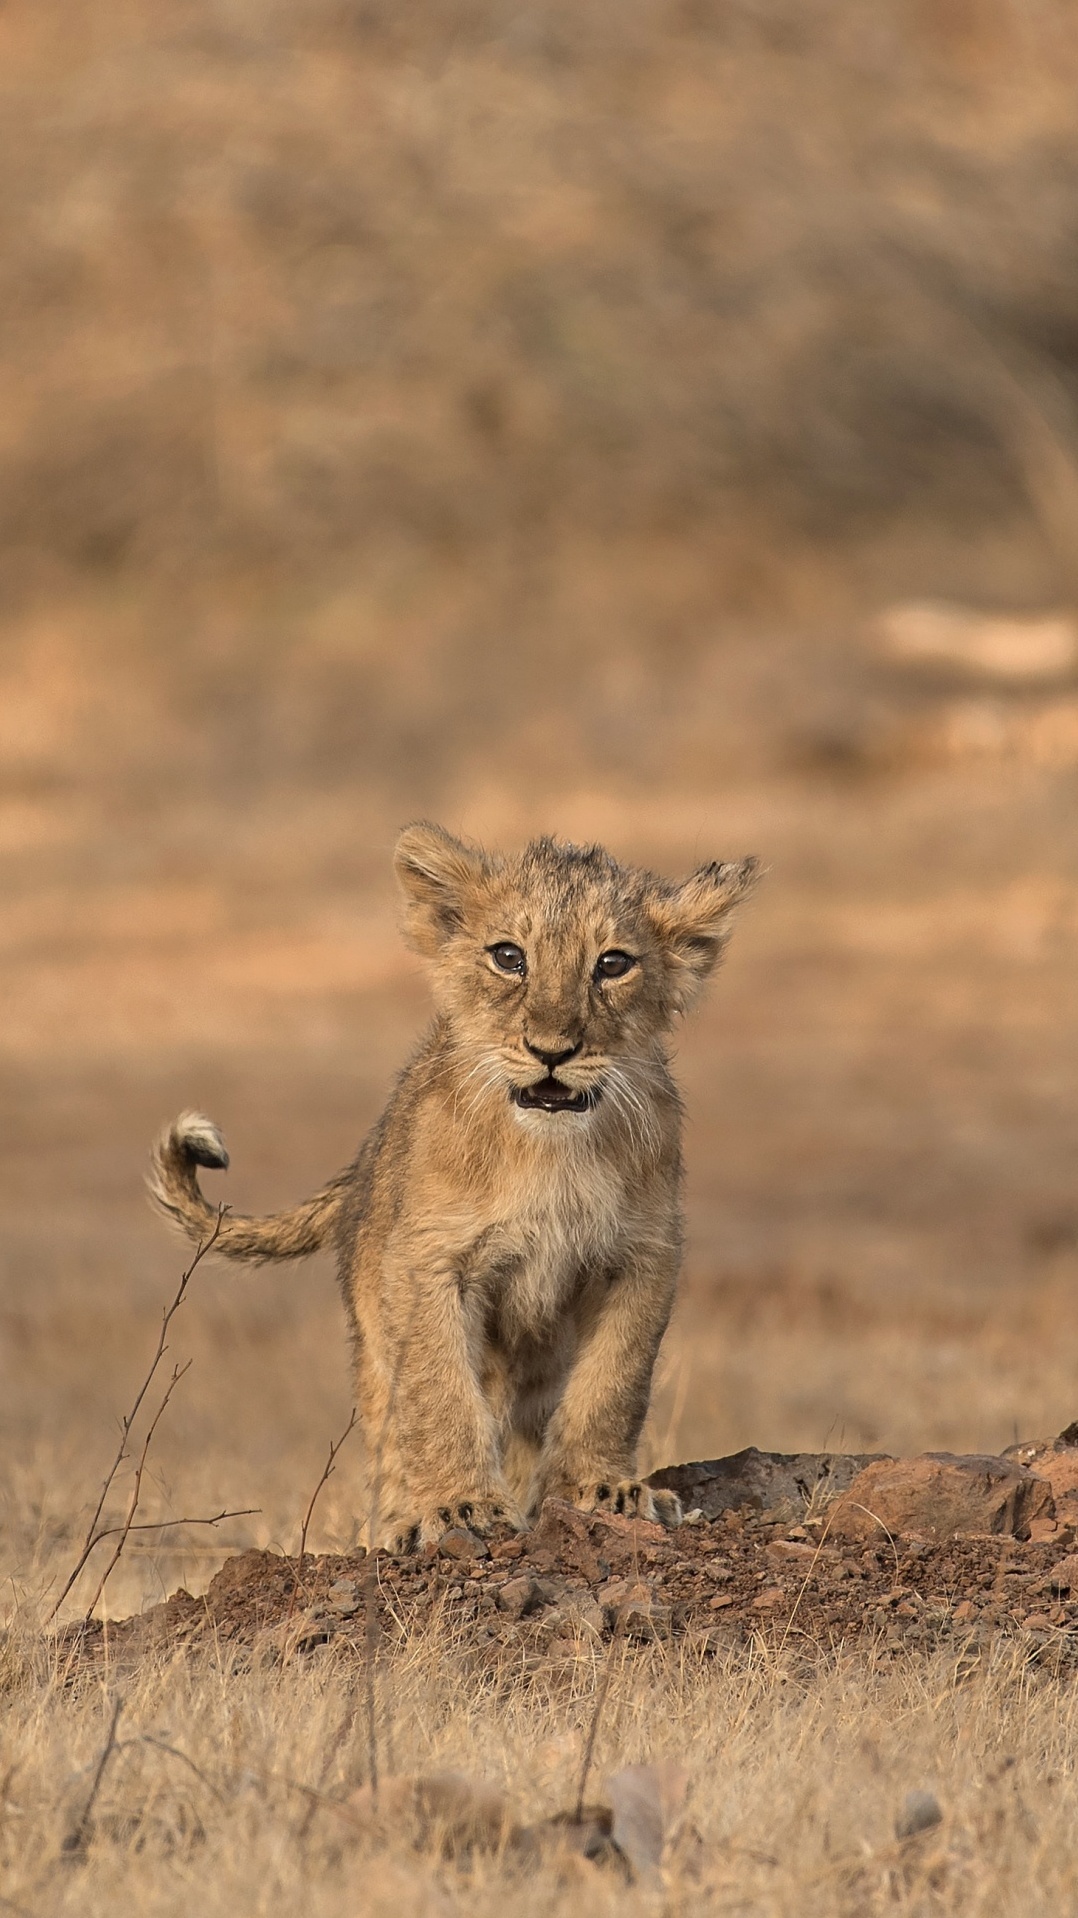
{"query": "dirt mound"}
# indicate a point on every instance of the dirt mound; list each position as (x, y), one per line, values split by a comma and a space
(904, 1552)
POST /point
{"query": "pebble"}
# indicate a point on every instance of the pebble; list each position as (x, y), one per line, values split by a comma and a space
(459, 1543)
(519, 1596)
(921, 1811)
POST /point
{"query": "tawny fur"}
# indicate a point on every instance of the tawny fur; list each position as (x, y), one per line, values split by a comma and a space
(508, 1271)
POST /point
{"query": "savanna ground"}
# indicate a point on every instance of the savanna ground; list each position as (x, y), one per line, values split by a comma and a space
(523, 421)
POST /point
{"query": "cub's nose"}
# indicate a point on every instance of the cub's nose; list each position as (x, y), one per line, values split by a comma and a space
(552, 1058)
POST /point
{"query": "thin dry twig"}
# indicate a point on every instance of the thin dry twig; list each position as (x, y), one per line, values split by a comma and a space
(178, 1372)
(372, 1623)
(93, 1535)
(327, 1469)
(166, 1524)
(807, 1580)
(76, 1841)
(335, 1446)
(596, 1717)
(314, 1795)
(173, 1751)
(342, 1732)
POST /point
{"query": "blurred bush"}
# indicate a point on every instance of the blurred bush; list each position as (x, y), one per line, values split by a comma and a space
(348, 330)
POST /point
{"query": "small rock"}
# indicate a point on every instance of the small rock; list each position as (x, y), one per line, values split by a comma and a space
(621, 1543)
(720, 1602)
(514, 1547)
(940, 1495)
(778, 1482)
(633, 1608)
(617, 1590)
(1063, 1576)
(343, 1598)
(645, 1801)
(460, 1543)
(576, 1611)
(964, 1611)
(770, 1596)
(921, 1811)
(519, 1596)
(1057, 1461)
(1045, 1531)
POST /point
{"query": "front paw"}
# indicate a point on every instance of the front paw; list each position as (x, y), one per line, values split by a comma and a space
(475, 1512)
(628, 1498)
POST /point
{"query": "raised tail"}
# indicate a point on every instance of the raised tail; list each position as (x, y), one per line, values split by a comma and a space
(193, 1140)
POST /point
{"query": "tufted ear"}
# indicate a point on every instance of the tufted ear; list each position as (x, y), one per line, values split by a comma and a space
(693, 921)
(440, 877)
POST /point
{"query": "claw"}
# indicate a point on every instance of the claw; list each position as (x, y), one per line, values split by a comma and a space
(629, 1498)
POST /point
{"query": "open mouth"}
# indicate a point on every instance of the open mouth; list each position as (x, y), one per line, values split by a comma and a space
(549, 1095)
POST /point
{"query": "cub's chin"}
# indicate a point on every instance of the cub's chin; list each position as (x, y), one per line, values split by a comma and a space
(550, 1095)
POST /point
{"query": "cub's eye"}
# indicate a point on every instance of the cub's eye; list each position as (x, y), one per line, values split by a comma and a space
(508, 958)
(613, 965)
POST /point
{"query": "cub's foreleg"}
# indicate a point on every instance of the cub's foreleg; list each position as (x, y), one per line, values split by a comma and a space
(432, 1442)
(589, 1455)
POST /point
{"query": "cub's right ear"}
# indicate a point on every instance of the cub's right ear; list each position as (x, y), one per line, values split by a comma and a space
(440, 877)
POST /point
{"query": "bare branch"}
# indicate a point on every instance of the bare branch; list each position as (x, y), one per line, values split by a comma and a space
(334, 1448)
(596, 1716)
(166, 1524)
(178, 1372)
(93, 1536)
(162, 1745)
(342, 1732)
(76, 1841)
(327, 1470)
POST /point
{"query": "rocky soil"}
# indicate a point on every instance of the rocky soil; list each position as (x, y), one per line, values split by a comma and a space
(813, 1549)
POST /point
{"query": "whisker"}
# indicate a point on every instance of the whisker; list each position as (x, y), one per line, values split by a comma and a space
(634, 1108)
(459, 1088)
(490, 1080)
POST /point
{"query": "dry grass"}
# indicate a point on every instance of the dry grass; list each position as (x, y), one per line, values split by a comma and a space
(797, 1774)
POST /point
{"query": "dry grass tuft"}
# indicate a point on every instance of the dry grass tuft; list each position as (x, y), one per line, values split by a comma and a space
(797, 1774)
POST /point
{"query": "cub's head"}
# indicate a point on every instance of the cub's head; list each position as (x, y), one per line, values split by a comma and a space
(559, 970)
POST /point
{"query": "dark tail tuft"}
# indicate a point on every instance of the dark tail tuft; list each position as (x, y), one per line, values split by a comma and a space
(191, 1141)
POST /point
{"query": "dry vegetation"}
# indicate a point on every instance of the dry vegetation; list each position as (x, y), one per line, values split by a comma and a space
(797, 1777)
(520, 415)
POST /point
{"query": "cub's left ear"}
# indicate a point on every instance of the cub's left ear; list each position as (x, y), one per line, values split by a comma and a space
(693, 921)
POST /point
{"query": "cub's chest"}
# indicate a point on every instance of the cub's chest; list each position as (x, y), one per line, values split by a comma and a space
(538, 1260)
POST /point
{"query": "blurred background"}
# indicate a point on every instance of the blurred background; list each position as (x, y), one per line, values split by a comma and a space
(655, 423)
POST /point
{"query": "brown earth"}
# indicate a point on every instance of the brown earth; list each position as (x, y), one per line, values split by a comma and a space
(1005, 1566)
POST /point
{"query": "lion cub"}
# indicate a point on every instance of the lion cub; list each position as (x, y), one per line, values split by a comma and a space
(508, 1237)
